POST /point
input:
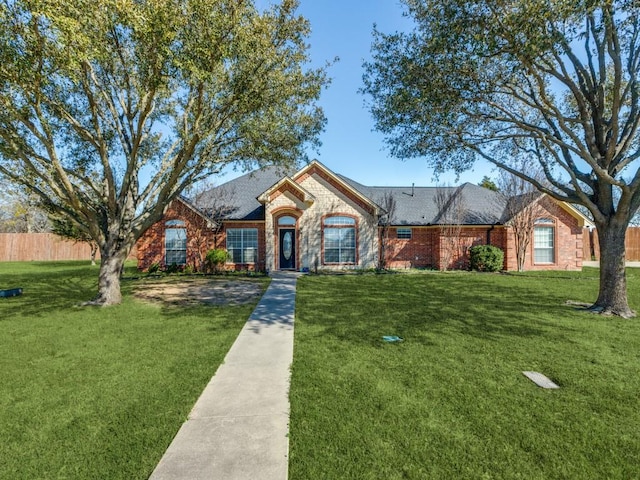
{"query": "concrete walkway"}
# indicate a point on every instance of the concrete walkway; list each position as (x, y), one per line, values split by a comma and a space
(238, 428)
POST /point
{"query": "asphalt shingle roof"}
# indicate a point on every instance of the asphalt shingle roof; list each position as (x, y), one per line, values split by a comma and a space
(419, 206)
(237, 200)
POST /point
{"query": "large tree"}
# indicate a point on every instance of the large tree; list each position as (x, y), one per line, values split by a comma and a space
(110, 108)
(553, 82)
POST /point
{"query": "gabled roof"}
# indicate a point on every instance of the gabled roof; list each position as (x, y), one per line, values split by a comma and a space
(203, 213)
(360, 197)
(286, 184)
(241, 199)
(482, 206)
(583, 220)
(237, 199)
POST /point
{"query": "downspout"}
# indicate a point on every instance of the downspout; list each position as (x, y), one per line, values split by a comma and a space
(489, 234)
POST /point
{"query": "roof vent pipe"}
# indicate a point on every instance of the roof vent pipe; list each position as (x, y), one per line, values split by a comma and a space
(413, 185)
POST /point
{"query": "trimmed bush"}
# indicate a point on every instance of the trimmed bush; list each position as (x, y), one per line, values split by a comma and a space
(486, 258)
(215, 258)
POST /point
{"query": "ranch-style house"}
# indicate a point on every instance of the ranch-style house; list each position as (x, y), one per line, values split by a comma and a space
(315, 219)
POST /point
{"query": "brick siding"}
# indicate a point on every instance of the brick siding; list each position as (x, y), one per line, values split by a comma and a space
(200, 238)
(568, 237)
(417, 252)
(221, 242)
(426, 248)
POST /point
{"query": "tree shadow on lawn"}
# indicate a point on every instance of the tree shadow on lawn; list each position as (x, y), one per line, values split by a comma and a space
(49, 287)
(418, 308)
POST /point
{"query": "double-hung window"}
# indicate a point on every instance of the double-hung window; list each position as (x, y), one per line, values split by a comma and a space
(242, 245)
(175, 243)
(544, 241)
(339, 240)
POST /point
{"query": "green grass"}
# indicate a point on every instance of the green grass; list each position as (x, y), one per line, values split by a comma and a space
(451, 401)
(97, 393)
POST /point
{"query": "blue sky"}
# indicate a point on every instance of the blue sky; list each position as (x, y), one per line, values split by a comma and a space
(349, 146)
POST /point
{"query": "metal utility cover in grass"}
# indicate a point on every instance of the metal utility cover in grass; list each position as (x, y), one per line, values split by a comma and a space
(540, 380)
(392, 338)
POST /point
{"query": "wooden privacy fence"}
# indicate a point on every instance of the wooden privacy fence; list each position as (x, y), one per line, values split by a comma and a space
(632, 245)
(26, 247)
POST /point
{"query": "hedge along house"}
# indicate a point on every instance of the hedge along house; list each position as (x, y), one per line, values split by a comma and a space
(316, 219)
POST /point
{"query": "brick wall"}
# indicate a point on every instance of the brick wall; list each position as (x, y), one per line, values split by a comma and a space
(427, 248)
(200, 238)
(568, 235)
(470, 237)
(417, 252)
(221, 242)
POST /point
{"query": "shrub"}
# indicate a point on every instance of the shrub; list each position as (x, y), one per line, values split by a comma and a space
(486, 258)
(188, 270)
(215, 258)
(153, 268)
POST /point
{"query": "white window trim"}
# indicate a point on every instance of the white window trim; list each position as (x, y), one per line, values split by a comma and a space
(174, 226)
(545, 223)
(340, 222)
(242, 248)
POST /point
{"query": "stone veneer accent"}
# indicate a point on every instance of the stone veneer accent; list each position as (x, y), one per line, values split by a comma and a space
(328, 198)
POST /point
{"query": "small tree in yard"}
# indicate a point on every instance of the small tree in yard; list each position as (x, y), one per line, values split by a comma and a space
(388, 204)
(451, 214)
(555, 82)
(110, 109)
(522, 208)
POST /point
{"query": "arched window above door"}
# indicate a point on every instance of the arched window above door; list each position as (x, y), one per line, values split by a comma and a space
(286, 221)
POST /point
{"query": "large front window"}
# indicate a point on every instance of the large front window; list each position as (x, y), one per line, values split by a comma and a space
(339, 240)
(543, 241)
(242, 245)
(175, 243)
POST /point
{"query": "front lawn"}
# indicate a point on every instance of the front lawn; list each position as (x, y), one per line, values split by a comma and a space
(451, 401)
(98, 393)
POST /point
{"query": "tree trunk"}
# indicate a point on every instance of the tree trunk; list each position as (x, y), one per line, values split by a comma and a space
(94, 251)
(612, 298)
(521, 252)
(111, 266)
